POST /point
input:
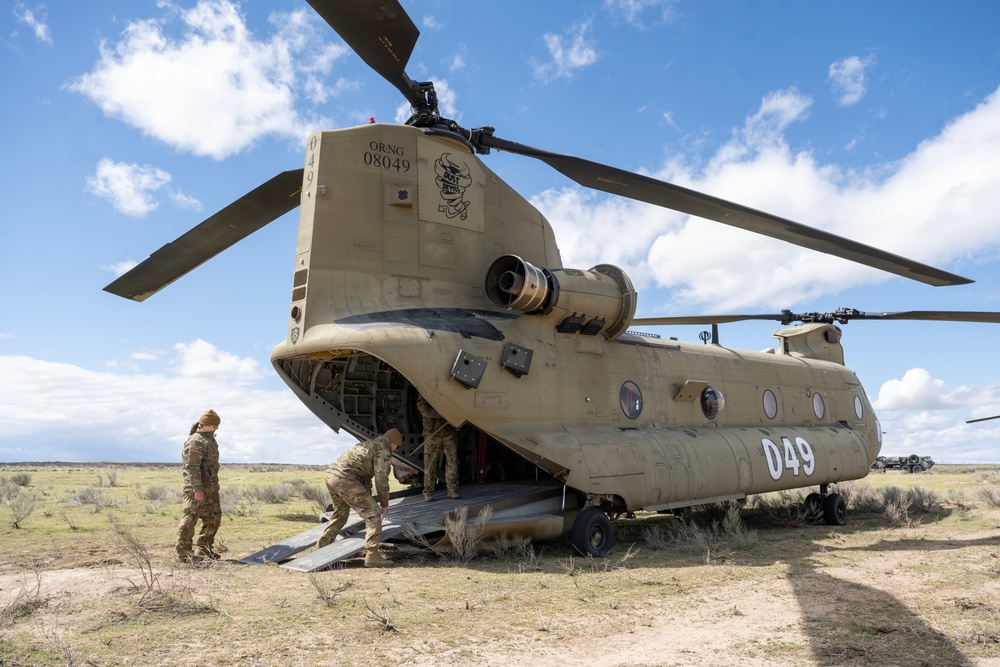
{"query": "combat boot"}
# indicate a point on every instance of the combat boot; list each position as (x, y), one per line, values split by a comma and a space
(452, 493)
(428, 497)
(208, 552)
(189, 557)
(376, 559)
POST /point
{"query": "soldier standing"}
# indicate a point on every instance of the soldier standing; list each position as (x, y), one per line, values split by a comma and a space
(349, 481)
(439, 437)
(201, 490)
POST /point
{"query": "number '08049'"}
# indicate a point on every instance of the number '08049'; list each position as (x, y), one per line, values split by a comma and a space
(387, 162)
(797, 457)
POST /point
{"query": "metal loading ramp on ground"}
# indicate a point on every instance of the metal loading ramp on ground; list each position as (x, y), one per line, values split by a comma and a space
(518, 505)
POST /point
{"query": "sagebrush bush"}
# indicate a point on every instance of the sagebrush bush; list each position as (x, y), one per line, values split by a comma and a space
(861, 497)
(156, 493)
(989, 495)
(466, 536)
(922, 499)
(91, 496)
(21, 478)
(272, 494)
(238, 503)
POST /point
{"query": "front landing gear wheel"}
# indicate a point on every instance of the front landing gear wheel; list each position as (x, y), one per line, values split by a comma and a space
(591, 533)
(835, 510)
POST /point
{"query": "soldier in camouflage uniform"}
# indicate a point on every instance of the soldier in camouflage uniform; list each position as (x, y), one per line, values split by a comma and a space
(438, 440)
(201, 490)
(349, 481)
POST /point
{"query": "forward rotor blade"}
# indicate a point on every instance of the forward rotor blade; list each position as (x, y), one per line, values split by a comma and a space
(981, 419)
(643, 188)
(381, 33)
(243, 217)
(700, 319)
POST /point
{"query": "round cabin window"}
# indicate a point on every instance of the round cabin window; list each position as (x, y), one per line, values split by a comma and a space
(819, 407)
(859, 407)
(712, 402)
(631, 399)
(770, 404)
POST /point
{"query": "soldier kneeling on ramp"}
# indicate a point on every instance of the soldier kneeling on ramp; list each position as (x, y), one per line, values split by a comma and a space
(349, 480)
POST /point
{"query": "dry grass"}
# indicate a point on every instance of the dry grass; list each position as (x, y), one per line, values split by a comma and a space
(920, 588)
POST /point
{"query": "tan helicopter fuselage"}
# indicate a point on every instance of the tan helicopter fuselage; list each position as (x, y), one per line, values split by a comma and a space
(417, 269)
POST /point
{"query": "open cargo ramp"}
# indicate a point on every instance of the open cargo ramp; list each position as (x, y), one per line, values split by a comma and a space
(522, 508)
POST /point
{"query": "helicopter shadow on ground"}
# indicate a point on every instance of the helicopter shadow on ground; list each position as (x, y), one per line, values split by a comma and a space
(849, 623)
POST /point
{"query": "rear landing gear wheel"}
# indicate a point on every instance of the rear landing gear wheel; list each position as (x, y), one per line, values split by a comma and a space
(835, 510)
(591, 533)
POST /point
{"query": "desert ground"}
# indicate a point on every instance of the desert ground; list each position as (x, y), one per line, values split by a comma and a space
(89, 577)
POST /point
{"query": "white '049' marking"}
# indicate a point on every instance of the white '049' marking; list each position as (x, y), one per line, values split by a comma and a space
(794, 458)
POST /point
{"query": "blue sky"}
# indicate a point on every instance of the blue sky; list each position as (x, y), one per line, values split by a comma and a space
(127, 123)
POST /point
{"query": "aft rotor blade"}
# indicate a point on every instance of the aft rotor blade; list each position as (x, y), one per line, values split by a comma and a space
(843, 316)
(652, 191)
(234, 223)
(381, 33)
(934, 315)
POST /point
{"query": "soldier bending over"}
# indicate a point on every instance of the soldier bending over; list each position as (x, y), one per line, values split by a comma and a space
(349, 480)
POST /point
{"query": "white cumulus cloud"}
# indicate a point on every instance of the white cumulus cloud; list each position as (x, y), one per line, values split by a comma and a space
(567, 54)
(643, 14)
(848, 78)
(201, 359)
(922, 415)
(129, 187)
(62, 412)
(216, 88)
(34, 19)
(898, 207)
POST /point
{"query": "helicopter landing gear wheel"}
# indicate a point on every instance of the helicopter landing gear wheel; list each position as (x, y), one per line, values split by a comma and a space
(835, 510)
(591, 533)
(812, 508)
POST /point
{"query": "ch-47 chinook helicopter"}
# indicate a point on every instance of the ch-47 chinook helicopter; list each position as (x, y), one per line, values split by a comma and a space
(418, 270)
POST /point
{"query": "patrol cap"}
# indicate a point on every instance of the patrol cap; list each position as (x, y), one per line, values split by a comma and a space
(210, 418)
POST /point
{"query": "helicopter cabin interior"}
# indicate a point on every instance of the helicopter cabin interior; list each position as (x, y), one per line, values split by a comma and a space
(366, 396)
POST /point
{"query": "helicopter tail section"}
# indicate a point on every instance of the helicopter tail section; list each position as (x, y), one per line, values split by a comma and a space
(394, 219)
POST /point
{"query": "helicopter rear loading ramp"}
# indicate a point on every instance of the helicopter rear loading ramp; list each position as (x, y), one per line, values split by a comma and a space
(535, 509)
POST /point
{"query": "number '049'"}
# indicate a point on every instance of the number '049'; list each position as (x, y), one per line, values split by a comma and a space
(796, 458)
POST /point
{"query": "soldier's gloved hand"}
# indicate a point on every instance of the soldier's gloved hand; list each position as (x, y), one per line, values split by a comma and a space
(199, 496)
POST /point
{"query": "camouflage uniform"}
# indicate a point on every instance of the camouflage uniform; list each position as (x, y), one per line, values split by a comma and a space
(201, 473)
(446, 440)
(349, 480)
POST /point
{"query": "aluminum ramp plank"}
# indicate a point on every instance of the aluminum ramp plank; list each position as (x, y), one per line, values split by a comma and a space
(298, 543)
(409, 510)
(285, 549)
(343, 547)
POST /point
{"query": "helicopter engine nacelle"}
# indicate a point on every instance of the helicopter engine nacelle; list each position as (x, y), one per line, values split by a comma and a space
(601, 299)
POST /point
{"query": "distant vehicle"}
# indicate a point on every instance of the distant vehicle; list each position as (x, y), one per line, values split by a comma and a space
(911, 463)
